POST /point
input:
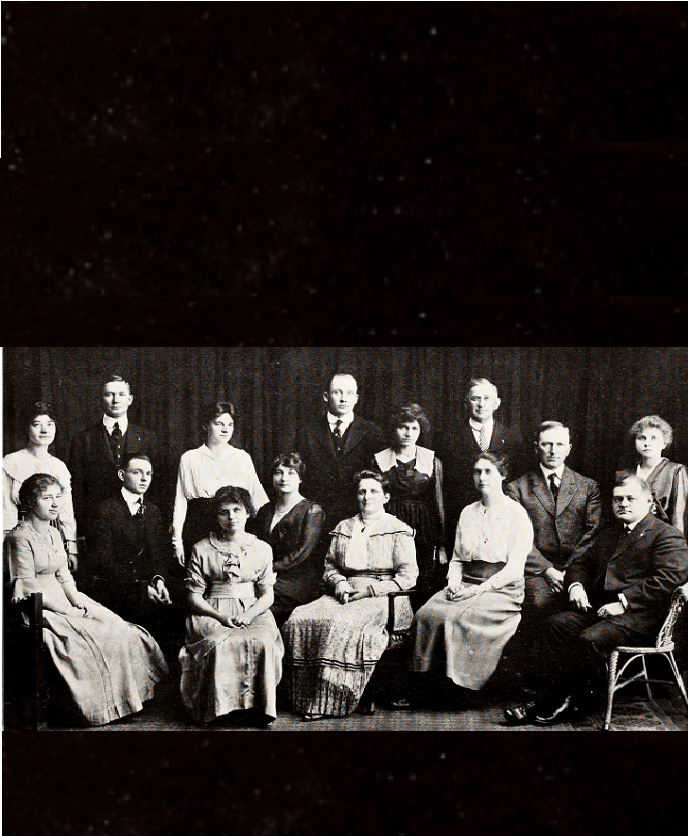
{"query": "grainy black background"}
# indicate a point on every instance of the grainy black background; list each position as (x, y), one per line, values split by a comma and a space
(458, 174)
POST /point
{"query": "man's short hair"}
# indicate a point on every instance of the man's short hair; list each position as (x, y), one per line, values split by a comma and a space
(340, 373)
(550, 425)
(631, 477)
(131, 456)
(114, 378)
(480, 381)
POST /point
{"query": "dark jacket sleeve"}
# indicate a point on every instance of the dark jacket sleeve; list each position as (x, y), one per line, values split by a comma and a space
(76, 464)
(670, 561)
(593, 520)
(310, 529)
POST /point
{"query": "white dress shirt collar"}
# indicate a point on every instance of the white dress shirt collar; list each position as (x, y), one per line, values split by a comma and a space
(559, 473)
(109, 423)
(132, 500)
(347, 420)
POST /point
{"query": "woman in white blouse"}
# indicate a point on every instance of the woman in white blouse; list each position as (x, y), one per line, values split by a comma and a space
(203, 471)
(39, 422)
(466, 626)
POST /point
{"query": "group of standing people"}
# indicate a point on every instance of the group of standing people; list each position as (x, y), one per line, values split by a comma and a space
(248, 584)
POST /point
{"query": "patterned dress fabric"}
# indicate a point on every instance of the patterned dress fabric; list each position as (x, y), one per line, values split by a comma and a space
(469, 635)
(333, 648)
(228, 669)
(109, 666)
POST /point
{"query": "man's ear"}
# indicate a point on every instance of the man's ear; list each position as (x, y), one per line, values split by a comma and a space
(120, 473)
(498, 401)
(326, 397)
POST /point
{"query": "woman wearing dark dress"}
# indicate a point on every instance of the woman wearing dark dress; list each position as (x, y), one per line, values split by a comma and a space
(292, 525)
(414, 476)
(668, 480)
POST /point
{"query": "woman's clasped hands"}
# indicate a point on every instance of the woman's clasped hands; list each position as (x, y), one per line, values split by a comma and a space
(460, 593)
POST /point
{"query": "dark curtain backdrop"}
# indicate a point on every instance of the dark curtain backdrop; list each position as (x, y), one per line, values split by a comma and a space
(598, 392)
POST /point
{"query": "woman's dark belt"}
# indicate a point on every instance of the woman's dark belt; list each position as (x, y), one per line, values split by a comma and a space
(367, 573)
(477, 571)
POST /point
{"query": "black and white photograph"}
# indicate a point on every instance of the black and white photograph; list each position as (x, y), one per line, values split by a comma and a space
(345, 539)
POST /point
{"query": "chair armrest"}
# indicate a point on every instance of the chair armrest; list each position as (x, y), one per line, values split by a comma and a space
(402, 593)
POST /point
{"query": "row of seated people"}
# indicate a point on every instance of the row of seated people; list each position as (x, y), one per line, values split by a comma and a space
(618, 589)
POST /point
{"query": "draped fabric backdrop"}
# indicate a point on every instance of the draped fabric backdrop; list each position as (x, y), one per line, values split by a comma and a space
(597, 392)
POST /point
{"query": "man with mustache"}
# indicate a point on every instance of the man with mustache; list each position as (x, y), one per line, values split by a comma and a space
(619, 592)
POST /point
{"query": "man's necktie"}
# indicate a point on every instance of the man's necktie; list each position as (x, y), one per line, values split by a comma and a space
(553, 486)
(337, 433)
(116, 433)
(141, 510)
(482, 439)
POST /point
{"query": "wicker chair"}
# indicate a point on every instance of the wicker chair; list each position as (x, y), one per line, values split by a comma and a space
(664, 646)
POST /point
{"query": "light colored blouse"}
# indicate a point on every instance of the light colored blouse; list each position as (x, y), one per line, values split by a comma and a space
(502, 533)
(16, 469)
(202, 473)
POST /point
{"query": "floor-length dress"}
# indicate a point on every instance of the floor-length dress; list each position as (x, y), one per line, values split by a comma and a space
(469, 635)
(109, 666)
(228, 669)
(333, 648)
(416, 498)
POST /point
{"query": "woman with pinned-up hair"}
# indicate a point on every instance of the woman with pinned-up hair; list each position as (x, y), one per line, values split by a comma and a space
(463, 629)
(414, 475)
(40, 425)
(203, 471)
(293, 526)
(668, 480)
(232, 658)
(108, 667)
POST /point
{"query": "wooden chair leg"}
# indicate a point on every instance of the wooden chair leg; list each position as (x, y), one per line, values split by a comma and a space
(611, 683)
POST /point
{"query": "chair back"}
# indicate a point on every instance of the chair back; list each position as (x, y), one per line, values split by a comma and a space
(678, 599)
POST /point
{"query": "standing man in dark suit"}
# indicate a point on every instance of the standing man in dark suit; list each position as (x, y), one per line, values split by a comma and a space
(465, 438)
(619, 591)
(336, 446)
(133, 568)
(97, 453)
(566, 511)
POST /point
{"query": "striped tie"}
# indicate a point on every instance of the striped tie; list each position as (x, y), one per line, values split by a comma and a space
(482, 439)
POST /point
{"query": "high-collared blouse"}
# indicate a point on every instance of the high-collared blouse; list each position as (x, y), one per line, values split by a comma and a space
(215, 565)
(202, 473)
(16, 469)
(501, 533)
(384, 548)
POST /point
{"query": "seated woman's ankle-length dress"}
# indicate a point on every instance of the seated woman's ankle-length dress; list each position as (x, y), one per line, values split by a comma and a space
(228, 669)
(109, 666)
(468, 635)
(333, 648)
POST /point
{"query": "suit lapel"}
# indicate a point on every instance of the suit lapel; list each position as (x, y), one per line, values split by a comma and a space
(567, 490)
(353, 435)
(103, 440)
(626, 543)
(543, 493)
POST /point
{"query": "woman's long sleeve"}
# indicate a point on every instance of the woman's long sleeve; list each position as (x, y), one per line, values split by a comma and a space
(332, 576)
(308, 538)
(180, 504)
(677, 501)
(440, 528)
(405, 566)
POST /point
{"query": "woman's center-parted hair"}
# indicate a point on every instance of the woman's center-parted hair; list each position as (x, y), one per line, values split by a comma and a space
(233, 494)
(500, 462)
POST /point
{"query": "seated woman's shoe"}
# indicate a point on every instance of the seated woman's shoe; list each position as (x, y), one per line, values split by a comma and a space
(401, 703)
(310, 718)
(568, 711)
(520, 714)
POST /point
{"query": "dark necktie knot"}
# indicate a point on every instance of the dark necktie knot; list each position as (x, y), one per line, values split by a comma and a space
(116, 433)
(338, 428)
(553, 485)
(141, 510)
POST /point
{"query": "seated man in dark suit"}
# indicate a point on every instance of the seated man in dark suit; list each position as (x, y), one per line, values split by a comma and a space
(619, 592)
(133, 568)
(96, 454)
(335, 447)
(566, 511)
(463, 439)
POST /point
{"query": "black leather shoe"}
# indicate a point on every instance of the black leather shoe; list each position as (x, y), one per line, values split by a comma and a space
(520, 714)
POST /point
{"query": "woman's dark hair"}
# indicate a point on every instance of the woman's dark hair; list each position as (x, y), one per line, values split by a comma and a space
(405, 414)
(33, 487)
(372, 474)
(292, 460)
(37, 408)
(213, 410)
(232, 493)
(500, 462)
